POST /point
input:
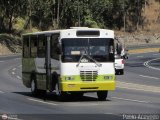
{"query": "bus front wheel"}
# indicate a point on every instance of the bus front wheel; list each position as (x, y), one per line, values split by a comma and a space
(102, 95)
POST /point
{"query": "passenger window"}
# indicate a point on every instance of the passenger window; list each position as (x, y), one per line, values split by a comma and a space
(41, 46)
(54, 46)
(26, 50)
(33, 44)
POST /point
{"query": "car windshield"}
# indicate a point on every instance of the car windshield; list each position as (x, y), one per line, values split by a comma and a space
(100, 49)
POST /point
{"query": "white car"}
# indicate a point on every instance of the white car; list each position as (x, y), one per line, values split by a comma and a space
(119, 64)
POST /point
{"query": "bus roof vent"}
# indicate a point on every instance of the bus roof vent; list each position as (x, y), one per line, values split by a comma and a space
(84, 33)
(78, 27)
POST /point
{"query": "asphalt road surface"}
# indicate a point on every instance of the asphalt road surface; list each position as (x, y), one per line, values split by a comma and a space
(137, 93)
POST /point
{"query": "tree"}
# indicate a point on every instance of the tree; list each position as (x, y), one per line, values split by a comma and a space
(54, 14)
(10, 9)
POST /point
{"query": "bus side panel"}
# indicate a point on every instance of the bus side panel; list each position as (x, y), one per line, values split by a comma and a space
(28, 67)
(41, 81)
(40, 73)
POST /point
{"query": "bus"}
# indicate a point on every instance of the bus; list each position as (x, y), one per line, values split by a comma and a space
(70, 61)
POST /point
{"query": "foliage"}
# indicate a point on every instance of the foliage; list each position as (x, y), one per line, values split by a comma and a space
(12, 42)
(53, 14)
(18, 23)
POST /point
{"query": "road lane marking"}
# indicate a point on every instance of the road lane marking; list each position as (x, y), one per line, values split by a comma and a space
(151, 67)
(1, 61)
(14, 69)
(133, 86)
(19, 77)
(140, 101)
(17, 58)
(108, 113)
(149, 77)
(82, 104)
(40, 101)
(140, 56)
(13, 73)
(1, 92)
(155, 54)
(138, 89)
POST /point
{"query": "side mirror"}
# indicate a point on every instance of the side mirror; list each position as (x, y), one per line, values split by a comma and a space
(125, 57)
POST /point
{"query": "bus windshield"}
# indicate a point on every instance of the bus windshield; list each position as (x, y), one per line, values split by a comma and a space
(100, 49)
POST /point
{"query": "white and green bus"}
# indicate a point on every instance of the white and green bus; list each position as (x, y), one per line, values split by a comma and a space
(69, 61)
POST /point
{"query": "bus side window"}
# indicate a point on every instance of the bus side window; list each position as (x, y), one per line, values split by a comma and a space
(41, 46)
(33, 44)
(54, 46)
(26, 50)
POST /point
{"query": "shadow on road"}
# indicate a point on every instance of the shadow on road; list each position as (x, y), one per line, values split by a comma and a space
(54, 97)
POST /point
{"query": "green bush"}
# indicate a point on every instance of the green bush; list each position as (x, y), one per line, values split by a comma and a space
(91, 24)
(18, 24)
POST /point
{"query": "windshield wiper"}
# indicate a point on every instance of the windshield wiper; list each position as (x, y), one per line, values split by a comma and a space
(98, 64)
(80, 59)
(89, 57)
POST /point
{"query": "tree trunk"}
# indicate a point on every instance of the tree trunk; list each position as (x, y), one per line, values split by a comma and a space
(58, 13)
(2, 24)
(10, 24)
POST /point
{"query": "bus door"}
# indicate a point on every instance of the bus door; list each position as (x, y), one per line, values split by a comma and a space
(52, 61)
(48, 62)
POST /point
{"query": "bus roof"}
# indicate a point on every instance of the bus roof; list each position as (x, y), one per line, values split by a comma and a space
(71, 32)
(71, 28)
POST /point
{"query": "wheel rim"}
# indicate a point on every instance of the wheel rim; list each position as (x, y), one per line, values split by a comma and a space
(57, 90)
(32, 86)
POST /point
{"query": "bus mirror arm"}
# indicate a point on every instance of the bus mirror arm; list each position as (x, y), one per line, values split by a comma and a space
(59, 49)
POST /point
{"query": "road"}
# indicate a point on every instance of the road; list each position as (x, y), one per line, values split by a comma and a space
(138, 92)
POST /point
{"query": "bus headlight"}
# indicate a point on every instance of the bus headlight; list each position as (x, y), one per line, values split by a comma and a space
(108, 77)
(69, 78)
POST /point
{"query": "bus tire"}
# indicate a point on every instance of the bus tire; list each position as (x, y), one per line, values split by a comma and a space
(102, 95)
(33, 87)
(54, 81)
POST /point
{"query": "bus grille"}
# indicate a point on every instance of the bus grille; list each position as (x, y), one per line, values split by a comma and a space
(88, 75)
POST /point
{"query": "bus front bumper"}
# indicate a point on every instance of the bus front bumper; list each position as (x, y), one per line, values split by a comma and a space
(87, 86)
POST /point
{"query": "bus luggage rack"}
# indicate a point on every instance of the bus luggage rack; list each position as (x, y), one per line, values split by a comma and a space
(88, 75)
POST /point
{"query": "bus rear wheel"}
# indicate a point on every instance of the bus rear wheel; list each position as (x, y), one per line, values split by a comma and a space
(102, 95)
(34, 89)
